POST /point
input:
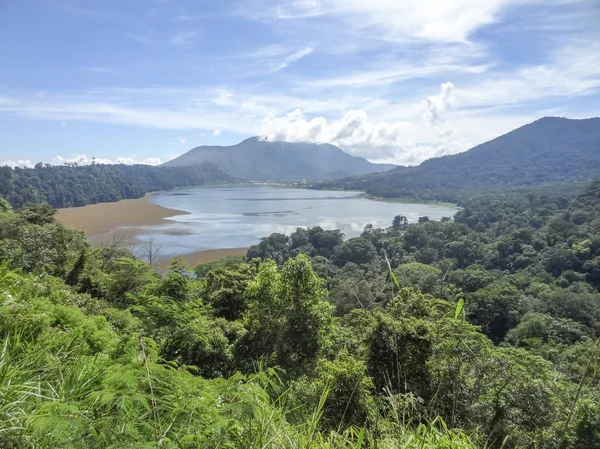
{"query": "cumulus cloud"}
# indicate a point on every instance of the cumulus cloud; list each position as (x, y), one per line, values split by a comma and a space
(434, 114)
(22, 163)
(217, 132)
(354, 132)
(396, 142)
(436, 106)
(83, 160)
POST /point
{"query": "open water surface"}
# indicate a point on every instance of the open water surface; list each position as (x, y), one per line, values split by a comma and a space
(239, 216)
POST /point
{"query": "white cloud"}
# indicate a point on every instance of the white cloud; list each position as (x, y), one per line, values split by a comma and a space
(436, 106)
(293, 57)
(399, 142)
(184, 38)
(268, 51)
(84, 160)
(275, 57)
(354, 132)
(403, 71)
(64, 124)
(179, 141)
(216, 132)
(435, 20)
(224, 97)
(573, 70)
(22, 163)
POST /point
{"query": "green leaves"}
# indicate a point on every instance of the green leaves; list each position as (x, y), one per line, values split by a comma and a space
(459, 308)
(287, 316)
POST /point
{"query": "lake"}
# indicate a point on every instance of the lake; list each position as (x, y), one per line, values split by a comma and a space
(239, 216)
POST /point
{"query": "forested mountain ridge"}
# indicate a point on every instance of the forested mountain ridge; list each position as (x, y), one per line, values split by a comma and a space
(482, 331)
(69, 186)
(257, 159)
(550, 150)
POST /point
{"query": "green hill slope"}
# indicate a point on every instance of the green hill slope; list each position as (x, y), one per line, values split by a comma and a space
(549, 150)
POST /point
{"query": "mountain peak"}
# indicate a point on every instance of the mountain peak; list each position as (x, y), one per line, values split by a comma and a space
(256, 158)
(254, 139)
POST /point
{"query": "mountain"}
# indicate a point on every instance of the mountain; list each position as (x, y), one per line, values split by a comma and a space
(549, 150)
(258, 159)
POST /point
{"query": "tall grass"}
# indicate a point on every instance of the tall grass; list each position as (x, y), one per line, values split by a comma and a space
(78, 406)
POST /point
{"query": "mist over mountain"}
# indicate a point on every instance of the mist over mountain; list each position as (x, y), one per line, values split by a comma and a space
(259, 159)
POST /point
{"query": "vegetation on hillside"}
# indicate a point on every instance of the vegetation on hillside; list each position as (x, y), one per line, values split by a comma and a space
(72, 185)
(552, 153)
(480, 331)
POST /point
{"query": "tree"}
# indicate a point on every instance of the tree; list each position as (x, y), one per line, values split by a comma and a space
(398, 352)
(358, 250)
(421, 276)
(287, 316)
(496, 309)
(38, 214)
(4, 206)
(225, 290)
(400, 222)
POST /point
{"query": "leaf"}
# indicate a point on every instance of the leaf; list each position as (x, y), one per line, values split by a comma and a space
(392, 274)
(395, 279)
(361, 437)
(459, 307)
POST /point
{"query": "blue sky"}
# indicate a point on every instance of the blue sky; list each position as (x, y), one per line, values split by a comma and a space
(390, 80)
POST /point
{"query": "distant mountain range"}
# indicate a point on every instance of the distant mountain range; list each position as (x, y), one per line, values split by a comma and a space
(557, 155)
(258, 159)
(550, 150)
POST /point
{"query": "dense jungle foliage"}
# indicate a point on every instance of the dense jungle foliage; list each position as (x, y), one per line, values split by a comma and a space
(72, 185)
(477, 331)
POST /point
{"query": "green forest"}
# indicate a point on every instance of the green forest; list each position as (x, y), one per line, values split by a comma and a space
(72, 185)
(477, 331)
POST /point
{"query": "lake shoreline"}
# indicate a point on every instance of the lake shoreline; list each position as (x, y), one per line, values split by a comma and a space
(408, 201)
(199, 257)
(226, 223)
(104, 223)
(104, 219)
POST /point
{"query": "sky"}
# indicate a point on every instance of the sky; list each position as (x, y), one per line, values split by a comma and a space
(394, 81)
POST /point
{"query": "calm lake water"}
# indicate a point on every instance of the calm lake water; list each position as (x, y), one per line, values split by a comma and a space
(238, 216)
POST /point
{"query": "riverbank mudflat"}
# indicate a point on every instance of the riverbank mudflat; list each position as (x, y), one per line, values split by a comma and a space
(204, 256)
(121, 218)
(105, 223)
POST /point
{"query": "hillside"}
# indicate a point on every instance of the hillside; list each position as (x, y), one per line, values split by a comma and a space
(69, 186)
(549, 150)
(257, 159)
